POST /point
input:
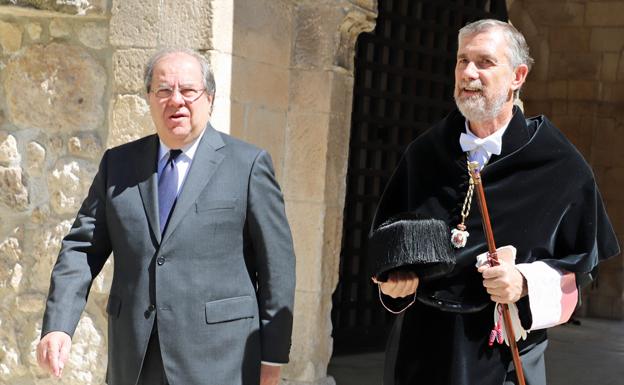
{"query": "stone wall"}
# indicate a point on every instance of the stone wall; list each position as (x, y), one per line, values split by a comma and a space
(578, 82)
(55, 80)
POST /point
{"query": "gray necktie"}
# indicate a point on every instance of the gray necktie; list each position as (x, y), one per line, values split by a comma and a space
(167, 189)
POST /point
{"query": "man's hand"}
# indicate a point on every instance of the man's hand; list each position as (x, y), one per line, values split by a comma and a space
(504, 282)
(269, 374)
(53, 352)
(399, 284)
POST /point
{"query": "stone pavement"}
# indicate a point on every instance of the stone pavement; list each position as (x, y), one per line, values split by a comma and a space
(591, 353)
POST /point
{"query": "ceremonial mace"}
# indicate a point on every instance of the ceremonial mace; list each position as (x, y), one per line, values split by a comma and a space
(493, 259)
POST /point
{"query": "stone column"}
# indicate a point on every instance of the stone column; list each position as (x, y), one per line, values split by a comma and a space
(315, 166)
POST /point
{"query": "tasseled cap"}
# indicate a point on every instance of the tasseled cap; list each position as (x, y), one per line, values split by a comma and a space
(414, 243)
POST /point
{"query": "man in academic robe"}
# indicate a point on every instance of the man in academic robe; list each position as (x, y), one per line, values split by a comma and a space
(203, 284)
(545, 209)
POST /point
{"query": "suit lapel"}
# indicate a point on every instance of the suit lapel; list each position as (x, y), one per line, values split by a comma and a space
(148, 185)
(205, 163)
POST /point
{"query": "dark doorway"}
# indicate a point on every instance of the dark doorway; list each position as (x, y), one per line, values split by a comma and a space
(403, 83)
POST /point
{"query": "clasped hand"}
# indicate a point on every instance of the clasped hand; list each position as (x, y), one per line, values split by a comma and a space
(399, 284)
(504, 283)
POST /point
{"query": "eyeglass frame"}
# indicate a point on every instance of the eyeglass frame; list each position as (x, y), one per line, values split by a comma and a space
(173, 91)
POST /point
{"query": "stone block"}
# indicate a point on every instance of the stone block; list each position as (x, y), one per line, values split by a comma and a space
(557, 13)
(583, 90)
(259, 84)
(578, 130)
(310, 90)
(612, 189)
(539, 107)
(93, 35)
(130, 120)
(186, 24)
(70, 7)
(267, 129)
(10, 37)
(306, 157)
(332, 241)
(609, 70)
(60, 28)
(263, 31)
(613, 92)
(13, 193)
(315, 37)
(607, 144)
(534, 91)
(341, 101)
(541, 54)
(566, 39)
(312, 343)
(337, 159)
(68, 184)
(239, 113)
(306, 223)
(574, 65)
(57, 87)
(9, 154)
(30, 303)
(602, 306)
(583, 107)
(128, 68)
(223, 117)
(559, 107)
(34, 31)
(604, 13)
(45, 243)
(607, 39)
(557, 89)
(85, 145)
(135, 23)
(35, 158)
(40, 214)
(88, 352)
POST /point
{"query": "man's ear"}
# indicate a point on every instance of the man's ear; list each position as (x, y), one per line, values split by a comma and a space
(520, 74)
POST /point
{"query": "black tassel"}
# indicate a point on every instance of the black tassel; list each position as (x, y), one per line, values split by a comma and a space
(411, 242)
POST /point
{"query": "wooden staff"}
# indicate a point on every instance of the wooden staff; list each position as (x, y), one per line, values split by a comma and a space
(489, 235)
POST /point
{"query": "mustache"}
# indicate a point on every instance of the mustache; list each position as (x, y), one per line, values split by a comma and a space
(474, 85)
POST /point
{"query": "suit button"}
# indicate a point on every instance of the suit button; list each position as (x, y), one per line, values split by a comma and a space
(160, 260)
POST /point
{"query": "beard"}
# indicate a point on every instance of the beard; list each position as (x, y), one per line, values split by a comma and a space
(480, 107)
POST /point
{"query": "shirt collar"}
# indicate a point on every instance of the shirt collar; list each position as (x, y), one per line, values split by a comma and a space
(188, 150)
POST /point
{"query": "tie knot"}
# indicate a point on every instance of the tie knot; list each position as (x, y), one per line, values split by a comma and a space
(173, 154)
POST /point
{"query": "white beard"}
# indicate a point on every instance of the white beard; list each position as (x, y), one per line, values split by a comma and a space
(479, 108)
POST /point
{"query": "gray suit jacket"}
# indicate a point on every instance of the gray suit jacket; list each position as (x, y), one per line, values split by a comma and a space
(224, 270)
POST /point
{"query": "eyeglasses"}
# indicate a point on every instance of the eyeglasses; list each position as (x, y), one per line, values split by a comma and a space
(188, 94)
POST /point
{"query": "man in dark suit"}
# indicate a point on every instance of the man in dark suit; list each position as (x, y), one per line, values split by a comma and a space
(203, 283)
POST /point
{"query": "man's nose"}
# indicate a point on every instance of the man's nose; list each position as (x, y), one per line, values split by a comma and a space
(471, 71)
(176, 98)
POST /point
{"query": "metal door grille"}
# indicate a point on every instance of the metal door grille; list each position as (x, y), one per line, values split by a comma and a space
(403, 83)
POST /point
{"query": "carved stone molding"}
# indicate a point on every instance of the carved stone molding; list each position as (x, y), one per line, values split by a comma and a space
(356, 21)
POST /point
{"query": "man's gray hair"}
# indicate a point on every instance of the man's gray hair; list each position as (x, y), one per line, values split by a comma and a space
(516, 44)
(209, 82)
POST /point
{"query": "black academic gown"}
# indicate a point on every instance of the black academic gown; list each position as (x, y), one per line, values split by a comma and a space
(542, 199)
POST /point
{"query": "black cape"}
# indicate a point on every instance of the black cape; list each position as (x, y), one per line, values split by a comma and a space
(542, 199)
